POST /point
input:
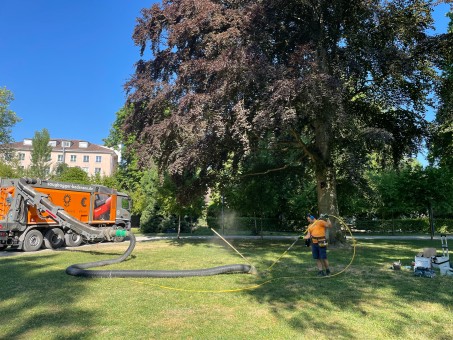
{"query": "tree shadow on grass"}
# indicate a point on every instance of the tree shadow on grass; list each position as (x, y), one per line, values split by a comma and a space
(295, 291)
(37, 297)
(97, 253)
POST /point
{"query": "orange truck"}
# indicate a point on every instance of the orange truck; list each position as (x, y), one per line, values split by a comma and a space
(40, 213)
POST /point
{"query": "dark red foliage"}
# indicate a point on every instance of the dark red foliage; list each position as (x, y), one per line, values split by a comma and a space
(224, 75)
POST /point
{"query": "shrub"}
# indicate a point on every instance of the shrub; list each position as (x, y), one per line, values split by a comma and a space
(405, 225)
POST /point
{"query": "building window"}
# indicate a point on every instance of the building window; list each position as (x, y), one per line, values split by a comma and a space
(83, 145)
(60, 158)
(53, 143)
(97, 171)
(98, 159)
(86, 159)
(73, 158)
(21, 156)
(66, 144)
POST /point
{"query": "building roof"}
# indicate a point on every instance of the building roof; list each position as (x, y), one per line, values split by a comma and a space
(75, 145)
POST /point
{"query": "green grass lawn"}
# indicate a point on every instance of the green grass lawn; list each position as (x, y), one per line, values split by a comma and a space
(367, 301)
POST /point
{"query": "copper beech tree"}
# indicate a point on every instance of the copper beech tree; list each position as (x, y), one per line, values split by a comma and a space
(334, 79)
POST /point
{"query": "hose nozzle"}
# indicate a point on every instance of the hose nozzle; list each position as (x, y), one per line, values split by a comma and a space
(111, 233)
(121, 233)
(253, 270)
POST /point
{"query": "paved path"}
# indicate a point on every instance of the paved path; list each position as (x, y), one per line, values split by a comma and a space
(282, 237)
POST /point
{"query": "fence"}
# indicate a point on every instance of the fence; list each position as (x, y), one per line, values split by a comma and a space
(407, 225)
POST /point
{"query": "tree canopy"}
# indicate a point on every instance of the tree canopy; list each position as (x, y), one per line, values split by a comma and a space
(328, 81)
(40, 154)
(441, 141)
(8, 118)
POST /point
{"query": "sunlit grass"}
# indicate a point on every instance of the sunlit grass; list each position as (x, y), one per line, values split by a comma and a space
(368, 300)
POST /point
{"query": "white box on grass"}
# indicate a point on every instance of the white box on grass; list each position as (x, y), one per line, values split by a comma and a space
(422, 262)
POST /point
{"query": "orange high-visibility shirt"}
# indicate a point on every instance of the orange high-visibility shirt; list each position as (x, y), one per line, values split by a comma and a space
(317, 229)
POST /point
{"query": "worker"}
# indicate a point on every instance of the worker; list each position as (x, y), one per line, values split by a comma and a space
(316, 231)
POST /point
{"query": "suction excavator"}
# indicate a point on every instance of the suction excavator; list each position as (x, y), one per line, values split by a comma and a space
(40, 213)
(36, 213)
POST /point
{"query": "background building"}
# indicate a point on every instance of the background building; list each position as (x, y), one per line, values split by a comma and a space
(92, 158)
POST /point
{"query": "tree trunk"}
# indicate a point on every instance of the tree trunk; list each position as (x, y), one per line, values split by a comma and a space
(431, 219)
(327, 200)
(325, 178)
(179, 225)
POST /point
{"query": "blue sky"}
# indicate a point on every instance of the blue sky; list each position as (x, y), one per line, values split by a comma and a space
(66, 63)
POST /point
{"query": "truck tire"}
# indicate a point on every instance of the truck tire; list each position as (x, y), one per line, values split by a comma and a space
(73, 239)
(53, 238)
(3, 246)
(32, 240)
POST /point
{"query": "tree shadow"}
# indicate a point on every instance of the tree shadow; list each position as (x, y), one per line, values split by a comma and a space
(293, 290)
(41, 297)
(96, 253)
(353, 290)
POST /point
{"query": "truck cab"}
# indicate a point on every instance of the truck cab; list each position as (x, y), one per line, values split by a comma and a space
(123, 211)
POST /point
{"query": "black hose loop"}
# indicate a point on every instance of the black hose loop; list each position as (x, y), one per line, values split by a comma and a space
(81, 268)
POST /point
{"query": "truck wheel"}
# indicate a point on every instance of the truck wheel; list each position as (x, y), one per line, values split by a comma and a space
(53, 238)
(3, 246)
(73, 240)
(33, 240)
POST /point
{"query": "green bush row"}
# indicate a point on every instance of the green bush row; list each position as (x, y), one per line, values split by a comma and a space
(164, 224)
(405, 225)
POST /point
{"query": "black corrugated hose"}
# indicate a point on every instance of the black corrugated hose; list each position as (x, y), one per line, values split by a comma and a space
(81, 268)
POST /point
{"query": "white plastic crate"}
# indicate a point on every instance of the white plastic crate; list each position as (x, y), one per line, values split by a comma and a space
(422, 262)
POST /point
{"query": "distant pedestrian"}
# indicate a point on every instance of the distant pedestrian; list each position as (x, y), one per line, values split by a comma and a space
(316, 231)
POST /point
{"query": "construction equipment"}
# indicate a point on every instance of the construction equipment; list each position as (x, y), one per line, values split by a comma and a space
(31, 211)
(35, 213)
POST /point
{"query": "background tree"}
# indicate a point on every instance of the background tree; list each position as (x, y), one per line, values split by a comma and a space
(8, 171)
(65, 173)
(8, 118)
(40, 154)
(129, 177)
(144, 199)
(441, 142)
(333, 79)
(269, 185)
(175, 197)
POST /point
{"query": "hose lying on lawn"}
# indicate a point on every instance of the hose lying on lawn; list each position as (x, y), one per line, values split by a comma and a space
(81, 268)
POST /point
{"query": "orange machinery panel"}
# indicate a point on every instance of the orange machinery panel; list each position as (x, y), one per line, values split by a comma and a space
(75, 203)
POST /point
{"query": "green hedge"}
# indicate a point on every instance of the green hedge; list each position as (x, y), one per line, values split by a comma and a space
(420, 225)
